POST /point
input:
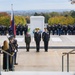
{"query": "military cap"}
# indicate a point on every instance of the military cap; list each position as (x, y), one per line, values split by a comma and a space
(11, 37)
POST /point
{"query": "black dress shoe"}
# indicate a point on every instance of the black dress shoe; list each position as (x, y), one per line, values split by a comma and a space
(11, 69)
(37, 51)
(27, 51)
(16, 63)
(46, 51)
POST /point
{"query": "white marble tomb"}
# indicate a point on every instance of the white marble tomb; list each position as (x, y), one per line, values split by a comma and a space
(36, 22)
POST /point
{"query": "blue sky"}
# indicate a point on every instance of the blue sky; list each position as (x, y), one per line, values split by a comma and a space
(35, 4)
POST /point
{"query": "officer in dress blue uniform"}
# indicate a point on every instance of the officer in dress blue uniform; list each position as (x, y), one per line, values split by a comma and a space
(37, 38)
(16, 50)
(45, 37)
(49, 27)
(25, 29)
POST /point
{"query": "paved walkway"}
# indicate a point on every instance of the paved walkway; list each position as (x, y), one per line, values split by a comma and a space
(44, 61)
(55, 40)
(36, 73)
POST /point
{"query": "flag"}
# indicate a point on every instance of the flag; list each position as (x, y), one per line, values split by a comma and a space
(13, 27)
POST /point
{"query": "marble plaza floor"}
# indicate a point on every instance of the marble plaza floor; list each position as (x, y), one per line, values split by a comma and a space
(50, 61)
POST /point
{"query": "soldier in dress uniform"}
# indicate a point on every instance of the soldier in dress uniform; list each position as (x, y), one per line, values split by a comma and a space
(37, 38)
(16, 50)
(59, 29)
(64, 27)
(21, 30)
(10, 30)
(53, 29)
(27, 41)
(69, 30)
(49, 27)
(25, 29)
(73, 29)
(18, 29)
(45, 37)
(11, 51)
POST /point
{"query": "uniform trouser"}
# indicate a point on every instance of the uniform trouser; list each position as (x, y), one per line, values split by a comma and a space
(21, 32)
(17, 32)
(46, 45)
(11, 62)
(25, 32)
(27, 47)
(73, 32)
(53, 32)
(15, 56)
(59, 32)
(37, 46)
(49, 32)
(69, 32)
(65, 32)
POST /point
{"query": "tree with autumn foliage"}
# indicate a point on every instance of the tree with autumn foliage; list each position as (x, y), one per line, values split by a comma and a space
(61, 20)
(5, 19)
(20, 19)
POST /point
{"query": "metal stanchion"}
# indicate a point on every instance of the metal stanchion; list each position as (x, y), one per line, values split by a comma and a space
(66, 53)
(67, 62)
(62, 63)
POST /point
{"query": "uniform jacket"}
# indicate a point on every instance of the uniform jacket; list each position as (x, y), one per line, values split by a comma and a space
(27, 38)
(15, 44)
(11, 48)
(37, 36)
(45, 36)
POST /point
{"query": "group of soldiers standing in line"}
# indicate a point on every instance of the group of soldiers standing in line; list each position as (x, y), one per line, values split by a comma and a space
(45, 37)
(56, 29)
(61, 29)
(19, 30)
(37, 37)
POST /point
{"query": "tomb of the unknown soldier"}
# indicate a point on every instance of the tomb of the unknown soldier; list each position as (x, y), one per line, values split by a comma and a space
(36, 22)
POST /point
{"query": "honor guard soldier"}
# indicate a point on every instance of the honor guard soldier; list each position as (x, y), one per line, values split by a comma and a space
(16, 49)
(53, 29)
(59, 29)
(74, 30)
(45, 37)
(49, 29)
(37, 38)
(25, 29)
(12, 52)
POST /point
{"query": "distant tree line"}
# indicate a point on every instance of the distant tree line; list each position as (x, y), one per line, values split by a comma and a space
(67, 17)
(64, 18)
